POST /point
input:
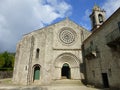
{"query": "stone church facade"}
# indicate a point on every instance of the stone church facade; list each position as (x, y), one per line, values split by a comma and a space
(49, 54)
(66, 50)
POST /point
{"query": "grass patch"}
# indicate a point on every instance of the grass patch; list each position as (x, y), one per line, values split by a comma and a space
(6, 81)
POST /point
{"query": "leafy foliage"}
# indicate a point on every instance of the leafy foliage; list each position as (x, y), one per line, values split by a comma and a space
(7, 60)
(2, 61)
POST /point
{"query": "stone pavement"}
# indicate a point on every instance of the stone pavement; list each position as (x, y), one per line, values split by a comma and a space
(66, 84)
(56, 85)
(70, 88)
(46, 88)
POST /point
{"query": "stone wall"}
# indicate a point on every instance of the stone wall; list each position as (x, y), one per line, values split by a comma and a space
(102, 59)
(51, 44)
(6, 74)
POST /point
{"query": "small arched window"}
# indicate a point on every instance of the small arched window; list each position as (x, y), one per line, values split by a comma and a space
(37, 52)
(100, 18)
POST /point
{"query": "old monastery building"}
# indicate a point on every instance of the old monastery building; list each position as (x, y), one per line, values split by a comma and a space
(101, 50)
(51, 53)
(66, 50)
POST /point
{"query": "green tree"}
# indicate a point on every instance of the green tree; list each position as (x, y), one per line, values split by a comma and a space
(2, 61)
(12, 59)
(7, 60)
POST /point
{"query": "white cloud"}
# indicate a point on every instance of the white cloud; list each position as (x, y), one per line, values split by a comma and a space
(86, 20)
(87, 14)
(18, 17)
(110, 6)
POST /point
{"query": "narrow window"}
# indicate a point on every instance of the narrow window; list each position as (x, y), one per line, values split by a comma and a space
(93, 72)
(109, 72)
(25, 67)
(100, 18)
(97, 52)
(91, 43)
(119, 25)
(37, 52)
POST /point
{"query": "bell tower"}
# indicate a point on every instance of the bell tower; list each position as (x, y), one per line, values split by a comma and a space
(97, 17)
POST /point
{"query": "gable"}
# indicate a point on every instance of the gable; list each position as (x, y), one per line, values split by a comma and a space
(68, 35)
(63, 35)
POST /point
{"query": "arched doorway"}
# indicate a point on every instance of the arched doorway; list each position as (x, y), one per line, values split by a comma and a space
(36, 73)
(65, 71)
(69, 64)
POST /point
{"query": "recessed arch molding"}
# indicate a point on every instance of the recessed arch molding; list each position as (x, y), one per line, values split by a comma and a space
(68, 58)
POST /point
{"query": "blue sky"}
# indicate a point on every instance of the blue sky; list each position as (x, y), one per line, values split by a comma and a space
(18, 17)
(80, 8)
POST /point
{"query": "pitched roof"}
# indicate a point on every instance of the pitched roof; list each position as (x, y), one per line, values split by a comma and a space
(66, 19)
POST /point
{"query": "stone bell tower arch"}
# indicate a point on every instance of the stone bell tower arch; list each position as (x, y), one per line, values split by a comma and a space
(97, 17)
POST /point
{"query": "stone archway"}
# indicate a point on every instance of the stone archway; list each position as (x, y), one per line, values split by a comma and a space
(72, 65)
